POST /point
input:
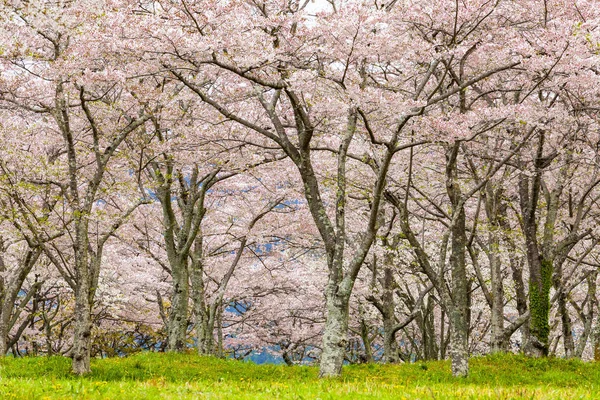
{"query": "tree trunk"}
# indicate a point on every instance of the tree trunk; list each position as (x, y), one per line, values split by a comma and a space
(203, 333)
(4, 323)
(178, 316)
(335, 333)
(82, 323)
(459, 352)
(497, 344)
(4, 315)
(3, 339)
(364, 335)
(516, 267)
(563, 310)
(204, 330)
(517, 275)
(390, 348)
(540, 269)
(219, 351)
(596, 339)
(430, 348)
(539, 304)
(587, 318)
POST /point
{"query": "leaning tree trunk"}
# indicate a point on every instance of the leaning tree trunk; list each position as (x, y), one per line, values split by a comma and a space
(592, 301)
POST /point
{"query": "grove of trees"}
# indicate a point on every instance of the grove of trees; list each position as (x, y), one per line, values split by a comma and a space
(328, 181)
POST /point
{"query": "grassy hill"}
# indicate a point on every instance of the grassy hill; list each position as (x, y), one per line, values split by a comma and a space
(184, 376)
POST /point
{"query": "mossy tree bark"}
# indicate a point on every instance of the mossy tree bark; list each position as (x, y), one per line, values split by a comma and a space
(540, 270)
(547, 257)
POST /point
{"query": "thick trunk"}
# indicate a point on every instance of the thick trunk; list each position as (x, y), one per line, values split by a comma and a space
(82, 339)
(390, 348)
(459, 352)
(540, 283)
(540, 270)
(178, 316)
(334, 335)
(459, 322)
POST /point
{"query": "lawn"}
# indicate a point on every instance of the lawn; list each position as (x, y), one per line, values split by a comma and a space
(185, 376)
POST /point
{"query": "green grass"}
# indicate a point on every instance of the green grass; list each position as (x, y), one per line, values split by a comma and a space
(184, 376)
